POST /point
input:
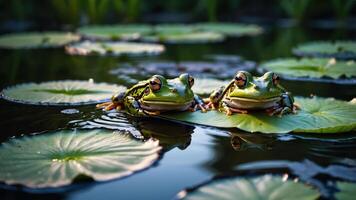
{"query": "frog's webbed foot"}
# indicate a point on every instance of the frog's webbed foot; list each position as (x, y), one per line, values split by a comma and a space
(109, 106)
(285, 106)
(199, 103)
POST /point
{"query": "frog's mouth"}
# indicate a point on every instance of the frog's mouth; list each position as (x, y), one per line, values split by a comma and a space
(251, 103)
(164, 105)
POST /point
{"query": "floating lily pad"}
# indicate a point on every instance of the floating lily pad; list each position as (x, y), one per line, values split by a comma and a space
(36, 40)
(317, 115)
(115, 32)
(260, 187)
(312, 68)
(173, 29)
(338, 49)
(61, 93)
(114, 48)
(207, 85)
(347, 191)
(231, 29)
(56, 159)
(185, 38)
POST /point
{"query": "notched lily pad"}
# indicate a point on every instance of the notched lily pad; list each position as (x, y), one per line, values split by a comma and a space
(347, 191)
(36, 40)
(260, 187)
(61, 93)
(115, 32)
(337, 49)
(56, 159)
(114, 48)
(316, 69)
(317, 115)
(231, 29)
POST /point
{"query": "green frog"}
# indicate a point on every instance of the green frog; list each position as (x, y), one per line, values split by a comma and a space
(246, 92)
(156, 95)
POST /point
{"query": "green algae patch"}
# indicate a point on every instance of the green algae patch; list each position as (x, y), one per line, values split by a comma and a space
(57, 158)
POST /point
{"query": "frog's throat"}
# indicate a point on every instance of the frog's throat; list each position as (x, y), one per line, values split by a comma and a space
(261, 100)
(165, 105)
(247, 103)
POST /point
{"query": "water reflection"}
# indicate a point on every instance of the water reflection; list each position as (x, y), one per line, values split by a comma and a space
(169, 134)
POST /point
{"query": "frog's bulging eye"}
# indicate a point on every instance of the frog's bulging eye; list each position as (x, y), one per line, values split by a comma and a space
(275, 79)
(191, 81)
(155, 84)
(240, 79)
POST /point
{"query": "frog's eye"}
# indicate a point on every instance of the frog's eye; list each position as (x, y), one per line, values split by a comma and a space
(240, 79)
(190, 81)
(155, 84)
(275, 79)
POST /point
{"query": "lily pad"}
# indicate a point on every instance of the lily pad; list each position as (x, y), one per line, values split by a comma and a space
(312, 68)
(185, 38)
(207, 85)
(347, 191)
(36, 40)
(173, 28)
(61, 93)
(115, 32)
(114, 48)
(231, 29)
(317, 115)
(56, 159)
(260, 187)
(337, 49)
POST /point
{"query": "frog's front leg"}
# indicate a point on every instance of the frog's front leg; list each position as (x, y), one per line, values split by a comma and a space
(134, 108)
(198, 103)
(285, 106)
(117, 102)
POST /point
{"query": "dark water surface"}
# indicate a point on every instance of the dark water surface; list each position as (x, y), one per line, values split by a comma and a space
(192, 154)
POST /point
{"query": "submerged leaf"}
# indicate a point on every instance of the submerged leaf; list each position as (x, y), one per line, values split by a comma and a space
(207, 85)
(270, 187)
(117, 31)
(231, 29)
(313, 68)
(114, 48)
(36, 40)
(347, 191)
(56, 159)
(337, 49)
(317, 115)
(61, 92)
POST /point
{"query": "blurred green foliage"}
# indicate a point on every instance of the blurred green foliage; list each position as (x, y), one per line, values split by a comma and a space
(79, 12)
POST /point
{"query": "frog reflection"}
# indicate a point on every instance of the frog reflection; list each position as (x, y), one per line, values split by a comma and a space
(169, 134)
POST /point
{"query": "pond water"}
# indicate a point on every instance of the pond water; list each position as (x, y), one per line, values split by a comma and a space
(192, 154)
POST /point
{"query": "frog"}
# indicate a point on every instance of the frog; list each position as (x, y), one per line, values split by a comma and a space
(245, 93)
(156, 95)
